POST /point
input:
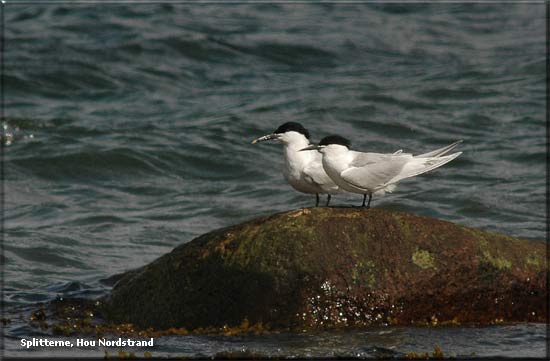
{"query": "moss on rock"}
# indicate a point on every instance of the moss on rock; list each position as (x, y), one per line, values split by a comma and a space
(423, 259)
(317, 268)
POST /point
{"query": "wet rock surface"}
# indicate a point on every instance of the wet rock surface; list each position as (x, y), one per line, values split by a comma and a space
(330, 268)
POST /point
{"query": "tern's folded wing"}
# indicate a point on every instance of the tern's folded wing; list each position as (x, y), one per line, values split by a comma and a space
(361, 159)
(315, 174)
(375, 175)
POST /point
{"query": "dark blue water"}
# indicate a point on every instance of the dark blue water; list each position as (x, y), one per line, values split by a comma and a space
(128, 132)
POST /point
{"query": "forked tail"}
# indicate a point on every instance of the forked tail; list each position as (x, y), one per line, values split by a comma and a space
(419, 165)
(439, 152)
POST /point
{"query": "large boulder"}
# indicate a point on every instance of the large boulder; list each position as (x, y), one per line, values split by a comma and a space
(318, 268)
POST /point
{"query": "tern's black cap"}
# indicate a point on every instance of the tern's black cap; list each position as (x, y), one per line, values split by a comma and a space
(292, 127)
(335, 139)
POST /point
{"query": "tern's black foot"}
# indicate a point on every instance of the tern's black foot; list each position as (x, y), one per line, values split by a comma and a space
(328, 199)
(366, 206)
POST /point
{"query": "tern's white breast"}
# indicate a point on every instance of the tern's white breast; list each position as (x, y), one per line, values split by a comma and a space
(336, 159)
(295, 163)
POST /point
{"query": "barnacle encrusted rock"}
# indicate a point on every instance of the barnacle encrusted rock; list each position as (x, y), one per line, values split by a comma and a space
(319, 268)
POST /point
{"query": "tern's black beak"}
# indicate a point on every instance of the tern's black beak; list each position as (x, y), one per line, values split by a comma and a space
(311, 147)
(264, 138)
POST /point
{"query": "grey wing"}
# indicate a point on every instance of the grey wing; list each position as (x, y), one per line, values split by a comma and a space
(376, 174)
(361, 159)
(316, 174)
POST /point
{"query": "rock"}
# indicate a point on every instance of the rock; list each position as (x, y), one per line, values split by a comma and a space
(318, 268)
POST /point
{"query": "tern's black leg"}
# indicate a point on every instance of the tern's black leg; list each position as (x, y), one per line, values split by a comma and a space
(364, 199)
(328, 199)
(316, 199)
(370, 197)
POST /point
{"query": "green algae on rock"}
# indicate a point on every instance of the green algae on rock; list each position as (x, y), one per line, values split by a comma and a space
(324, 268)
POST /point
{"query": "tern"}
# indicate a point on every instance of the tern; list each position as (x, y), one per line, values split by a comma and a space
(368, 173)
(303, 170)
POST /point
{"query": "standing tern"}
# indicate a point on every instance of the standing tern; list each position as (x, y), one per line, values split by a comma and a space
(368, 173)
(303, 170)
